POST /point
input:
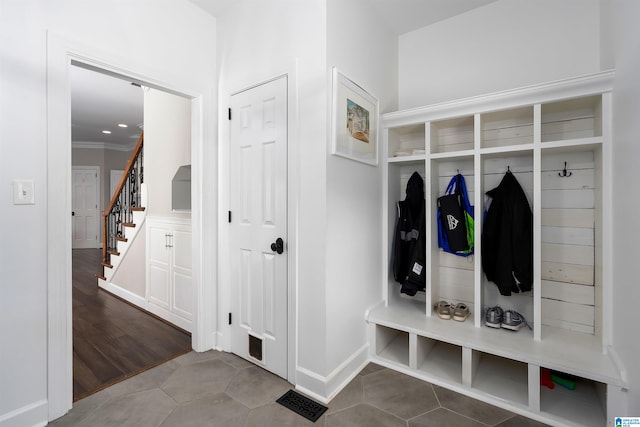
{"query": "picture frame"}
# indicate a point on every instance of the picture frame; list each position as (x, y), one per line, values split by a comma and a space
(354, 121)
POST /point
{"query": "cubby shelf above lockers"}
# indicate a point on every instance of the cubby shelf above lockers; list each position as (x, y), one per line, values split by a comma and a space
(576, 118)
(406, 143)
(505, 128)
(556, 140)
(451, 135)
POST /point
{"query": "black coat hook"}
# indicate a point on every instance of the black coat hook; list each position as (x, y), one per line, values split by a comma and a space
(564, 173)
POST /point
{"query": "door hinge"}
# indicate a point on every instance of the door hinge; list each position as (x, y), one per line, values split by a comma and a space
(229, 217)
(229, 318)
(229, 113)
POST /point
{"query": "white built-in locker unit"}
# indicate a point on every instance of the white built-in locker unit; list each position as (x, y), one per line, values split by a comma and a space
(531, 131)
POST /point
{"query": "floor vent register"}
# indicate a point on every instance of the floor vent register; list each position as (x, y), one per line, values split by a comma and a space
(302, 405)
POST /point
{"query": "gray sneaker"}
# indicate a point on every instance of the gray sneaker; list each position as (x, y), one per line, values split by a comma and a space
(493, 317)
(513, 320)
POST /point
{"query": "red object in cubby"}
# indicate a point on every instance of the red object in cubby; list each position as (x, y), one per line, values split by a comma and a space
(545, 378)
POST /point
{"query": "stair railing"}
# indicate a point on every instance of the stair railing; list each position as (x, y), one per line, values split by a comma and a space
(125, 200)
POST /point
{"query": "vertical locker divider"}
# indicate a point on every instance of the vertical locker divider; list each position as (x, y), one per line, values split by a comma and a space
(431, 237)
(385, 217)
(414, 358)
(600, 282)
(537, 222)
(371, 338)
(470, 361)
(606, 223)
(534, 387)
(478, 214)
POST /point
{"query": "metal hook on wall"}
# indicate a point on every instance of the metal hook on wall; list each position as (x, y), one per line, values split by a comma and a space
(564, 173)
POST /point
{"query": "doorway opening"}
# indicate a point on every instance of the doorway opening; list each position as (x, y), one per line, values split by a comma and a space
(115, 336)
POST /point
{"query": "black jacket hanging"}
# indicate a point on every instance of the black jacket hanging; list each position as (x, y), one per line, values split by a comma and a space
(409, 244)
(507, 238)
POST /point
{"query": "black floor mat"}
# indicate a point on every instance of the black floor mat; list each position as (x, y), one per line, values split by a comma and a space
(302, 405)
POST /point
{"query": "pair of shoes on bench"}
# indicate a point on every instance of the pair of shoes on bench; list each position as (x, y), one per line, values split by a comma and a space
(445, 311)
(496, 317)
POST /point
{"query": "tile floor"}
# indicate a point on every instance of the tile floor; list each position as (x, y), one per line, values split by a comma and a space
(221, 389)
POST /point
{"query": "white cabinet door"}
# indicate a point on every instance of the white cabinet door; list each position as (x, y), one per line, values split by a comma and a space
(169, 285)
(159, 255)
(181, 269)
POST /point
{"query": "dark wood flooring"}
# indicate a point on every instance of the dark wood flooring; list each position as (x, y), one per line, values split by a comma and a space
(113, 340)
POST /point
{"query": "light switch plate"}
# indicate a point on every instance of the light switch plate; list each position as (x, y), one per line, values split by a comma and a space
(23, 192)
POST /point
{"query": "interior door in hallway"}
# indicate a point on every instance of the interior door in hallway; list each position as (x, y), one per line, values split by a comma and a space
(258, 235)
(85, 200)
(114, 180)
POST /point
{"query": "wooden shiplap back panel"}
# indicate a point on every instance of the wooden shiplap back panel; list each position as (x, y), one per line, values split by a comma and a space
(452, 135)
(568, 292)
(575, 118)
(504, 128)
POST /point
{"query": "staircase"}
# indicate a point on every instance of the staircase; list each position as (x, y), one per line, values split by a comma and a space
(124, 216)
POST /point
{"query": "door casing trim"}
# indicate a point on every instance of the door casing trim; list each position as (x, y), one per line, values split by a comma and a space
(62, 53)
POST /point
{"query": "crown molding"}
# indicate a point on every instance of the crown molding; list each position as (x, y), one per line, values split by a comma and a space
(589, 84)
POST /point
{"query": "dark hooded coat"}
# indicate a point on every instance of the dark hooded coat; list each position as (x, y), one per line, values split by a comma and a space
(507, 238)
(409, 243)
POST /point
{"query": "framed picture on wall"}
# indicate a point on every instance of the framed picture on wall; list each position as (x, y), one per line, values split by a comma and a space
(354, 121)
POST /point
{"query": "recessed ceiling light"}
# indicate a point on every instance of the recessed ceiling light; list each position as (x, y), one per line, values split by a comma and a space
(122, 125)
(106, 131)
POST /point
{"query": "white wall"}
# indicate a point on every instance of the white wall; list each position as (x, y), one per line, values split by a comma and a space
(337, 202)
(131, 272)
(360, 46)
(257, 41)
(168, 40)
(503, 45)
(167, 146)
(626, 197)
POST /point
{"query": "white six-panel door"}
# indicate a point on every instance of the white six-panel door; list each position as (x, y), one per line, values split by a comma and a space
(258, 154)
(85, 201)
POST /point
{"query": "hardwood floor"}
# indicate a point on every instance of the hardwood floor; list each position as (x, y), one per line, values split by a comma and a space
(113, 340)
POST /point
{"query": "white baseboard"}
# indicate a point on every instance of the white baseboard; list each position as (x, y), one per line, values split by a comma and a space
(169, 316)
(141, 302)
(326, 388)
(125, 294)
(34, 414)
